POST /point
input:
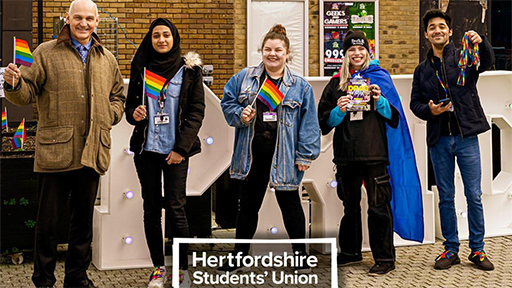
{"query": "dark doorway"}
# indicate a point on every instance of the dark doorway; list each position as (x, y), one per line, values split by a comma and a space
(501, 33)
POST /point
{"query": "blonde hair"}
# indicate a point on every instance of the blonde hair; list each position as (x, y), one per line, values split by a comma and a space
(345, 70)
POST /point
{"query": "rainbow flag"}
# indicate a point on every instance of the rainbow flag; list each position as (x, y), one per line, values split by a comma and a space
(4, 119)
(19, 136)
(22, 53)
(154, 84)
(270, 95)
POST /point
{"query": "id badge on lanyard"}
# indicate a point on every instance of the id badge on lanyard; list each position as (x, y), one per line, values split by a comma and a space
(269, 116)
(161, 118)
(356, 116)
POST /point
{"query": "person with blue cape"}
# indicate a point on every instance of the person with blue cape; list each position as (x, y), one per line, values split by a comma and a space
(372, 145)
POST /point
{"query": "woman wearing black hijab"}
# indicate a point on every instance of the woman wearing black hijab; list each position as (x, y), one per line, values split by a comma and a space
(165, 136)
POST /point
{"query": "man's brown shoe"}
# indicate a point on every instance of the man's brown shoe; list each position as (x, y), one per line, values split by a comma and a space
(446, 260)
(481, 260)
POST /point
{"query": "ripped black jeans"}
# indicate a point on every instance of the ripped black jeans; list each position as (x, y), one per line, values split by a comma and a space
(350, 177)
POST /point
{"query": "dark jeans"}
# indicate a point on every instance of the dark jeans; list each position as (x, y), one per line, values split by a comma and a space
(80, 187)
(467, 153)
(380, 220)
(252, 192)
(149, 169)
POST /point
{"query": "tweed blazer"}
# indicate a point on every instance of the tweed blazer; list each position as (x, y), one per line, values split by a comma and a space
(77, 103)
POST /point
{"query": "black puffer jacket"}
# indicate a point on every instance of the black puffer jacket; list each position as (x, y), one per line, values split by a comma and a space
(190, 110)
(466, 102)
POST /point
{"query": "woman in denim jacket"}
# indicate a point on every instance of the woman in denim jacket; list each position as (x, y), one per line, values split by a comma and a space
(272, 146)
(165, 137)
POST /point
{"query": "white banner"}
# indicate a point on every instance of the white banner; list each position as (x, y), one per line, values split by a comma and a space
(293, 16)
(2, 70)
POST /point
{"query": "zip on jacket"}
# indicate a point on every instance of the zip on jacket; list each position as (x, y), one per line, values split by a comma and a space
(443, 69)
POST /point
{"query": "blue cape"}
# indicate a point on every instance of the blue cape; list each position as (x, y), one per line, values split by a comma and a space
(406, 201)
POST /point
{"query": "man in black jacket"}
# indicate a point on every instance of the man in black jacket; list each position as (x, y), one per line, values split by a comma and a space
(454, 119)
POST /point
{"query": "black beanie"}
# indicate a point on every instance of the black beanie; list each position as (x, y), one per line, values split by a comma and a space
(355, 38)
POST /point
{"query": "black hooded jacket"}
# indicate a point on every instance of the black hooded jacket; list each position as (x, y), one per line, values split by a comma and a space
(469, 113)
(363, 140)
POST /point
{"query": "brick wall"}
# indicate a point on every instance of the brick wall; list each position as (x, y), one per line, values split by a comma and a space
(240, 35)
(216, 29)
(314, 39)
(205, 26)
(399, 35)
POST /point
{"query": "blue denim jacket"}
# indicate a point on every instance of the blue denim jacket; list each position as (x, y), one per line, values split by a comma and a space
(161, 138)
(298, 132)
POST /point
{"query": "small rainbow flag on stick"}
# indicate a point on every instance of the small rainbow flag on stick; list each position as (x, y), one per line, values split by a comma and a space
(19, 136)
(22, 54)
(270, 95)
(153, 84)
(4, 119)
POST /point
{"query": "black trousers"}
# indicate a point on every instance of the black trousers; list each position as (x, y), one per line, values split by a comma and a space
(252, 192)
(80, 187)
(149, 167)
(380, 219)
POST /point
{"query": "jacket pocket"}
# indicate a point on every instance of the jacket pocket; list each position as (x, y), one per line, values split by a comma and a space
(246, 98)
(290, 111)
(104, 150)
(382, 190)
(55, 149)
(175, 88)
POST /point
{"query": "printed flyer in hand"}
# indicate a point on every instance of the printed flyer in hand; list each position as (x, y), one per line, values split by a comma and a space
(358, 89)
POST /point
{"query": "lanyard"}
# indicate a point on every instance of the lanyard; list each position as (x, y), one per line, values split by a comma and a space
(278, 80)
(439, 78)
(468, 57)
(442, 85)
(162, 97)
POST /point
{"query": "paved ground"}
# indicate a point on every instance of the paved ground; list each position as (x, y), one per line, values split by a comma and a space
(414, 269)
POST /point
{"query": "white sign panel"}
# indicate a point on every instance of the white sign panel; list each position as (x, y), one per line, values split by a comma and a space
(2, 70)
(293, 15)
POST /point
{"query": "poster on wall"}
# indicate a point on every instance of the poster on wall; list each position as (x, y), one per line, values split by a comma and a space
(336, 23)
(362, 17)
(338, 18)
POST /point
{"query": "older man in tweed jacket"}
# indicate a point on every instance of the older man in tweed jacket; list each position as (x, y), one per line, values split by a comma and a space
(78, 89)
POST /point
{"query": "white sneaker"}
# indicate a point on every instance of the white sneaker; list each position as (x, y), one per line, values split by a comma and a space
(185, 279)
(157, 278)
